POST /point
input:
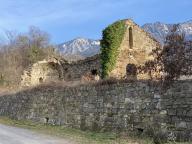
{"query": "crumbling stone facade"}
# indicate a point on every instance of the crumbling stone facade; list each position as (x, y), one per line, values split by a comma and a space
(60, 70)
(76, 70)
(42, 72)
(135, 49)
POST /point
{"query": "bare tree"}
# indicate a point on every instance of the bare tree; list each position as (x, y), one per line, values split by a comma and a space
(173, 61)
(22, 50)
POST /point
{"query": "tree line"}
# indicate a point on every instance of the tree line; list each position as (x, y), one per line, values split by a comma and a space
(20, 51)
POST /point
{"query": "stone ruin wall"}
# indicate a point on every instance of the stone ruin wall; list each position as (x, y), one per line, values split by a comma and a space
(40, 72)
(56, 70)
(76, 70)
(130, 107)
(135, 49)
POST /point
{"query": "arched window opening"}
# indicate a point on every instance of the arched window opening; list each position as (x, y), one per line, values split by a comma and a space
(94, 72)
(131, 37)
(131, 71)
(46, 120)
(69, 76)
(40, 80)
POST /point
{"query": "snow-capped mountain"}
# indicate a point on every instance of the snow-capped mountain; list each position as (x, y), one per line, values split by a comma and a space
(80, 46)
(160, 30)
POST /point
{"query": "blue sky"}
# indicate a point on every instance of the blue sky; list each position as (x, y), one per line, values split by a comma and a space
(67, 19)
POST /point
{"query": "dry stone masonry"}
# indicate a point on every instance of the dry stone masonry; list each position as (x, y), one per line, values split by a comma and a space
(42, 71)
(59, 70)
(133, 106)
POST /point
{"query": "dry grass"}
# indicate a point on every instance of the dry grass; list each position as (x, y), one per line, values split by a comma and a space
(7, 90)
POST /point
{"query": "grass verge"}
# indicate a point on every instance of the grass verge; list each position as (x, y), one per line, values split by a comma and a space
(78, 136)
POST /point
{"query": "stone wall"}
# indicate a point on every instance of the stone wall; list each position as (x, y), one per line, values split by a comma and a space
(76, 70)
(40, 72)
(124, 106)
(59, 70)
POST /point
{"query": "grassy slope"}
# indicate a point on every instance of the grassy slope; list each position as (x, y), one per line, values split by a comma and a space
(81, 137)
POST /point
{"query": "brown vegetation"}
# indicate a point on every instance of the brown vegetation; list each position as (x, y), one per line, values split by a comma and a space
(171, 62)
(20, 51)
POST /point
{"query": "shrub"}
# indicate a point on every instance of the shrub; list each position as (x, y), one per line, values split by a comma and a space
(173, 61)
(21, 51)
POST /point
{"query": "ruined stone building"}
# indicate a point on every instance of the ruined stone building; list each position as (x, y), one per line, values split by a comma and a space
(40, 72)
(135, 50)
(60, 70)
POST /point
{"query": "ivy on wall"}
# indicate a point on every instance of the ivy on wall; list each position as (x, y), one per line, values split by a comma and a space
(110, 43)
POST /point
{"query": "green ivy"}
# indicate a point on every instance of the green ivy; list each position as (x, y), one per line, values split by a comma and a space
(110, 43)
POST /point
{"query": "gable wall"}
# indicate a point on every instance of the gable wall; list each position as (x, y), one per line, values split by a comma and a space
(138, 54)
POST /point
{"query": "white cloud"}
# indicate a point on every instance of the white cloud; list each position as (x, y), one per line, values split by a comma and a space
(27, 12)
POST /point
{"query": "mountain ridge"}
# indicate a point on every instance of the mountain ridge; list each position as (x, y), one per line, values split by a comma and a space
(160, 30)
(85, 47)
(80, 46)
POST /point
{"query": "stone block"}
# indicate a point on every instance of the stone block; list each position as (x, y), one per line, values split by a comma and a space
(172, 112)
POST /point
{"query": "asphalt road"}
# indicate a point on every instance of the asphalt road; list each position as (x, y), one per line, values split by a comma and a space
(12, 135)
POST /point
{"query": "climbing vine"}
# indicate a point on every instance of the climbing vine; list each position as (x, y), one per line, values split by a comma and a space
(110, 43)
